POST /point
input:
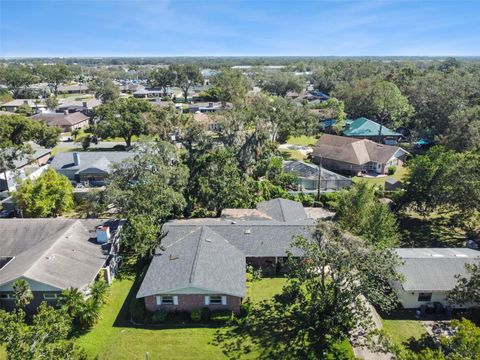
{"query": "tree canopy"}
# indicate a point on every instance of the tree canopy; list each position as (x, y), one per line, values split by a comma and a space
(51, 194)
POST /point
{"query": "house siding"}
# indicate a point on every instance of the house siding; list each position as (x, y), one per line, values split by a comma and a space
(38, 298)
(189, 302)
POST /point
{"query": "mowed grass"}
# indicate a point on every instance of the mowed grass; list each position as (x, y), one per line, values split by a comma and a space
(289, 154)
(380, 181)
(302, 140)
(402, 331)
(265, 288)
(113, 337)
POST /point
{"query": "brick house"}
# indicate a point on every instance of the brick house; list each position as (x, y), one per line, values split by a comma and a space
(55, 254)
(202, 262)
(65, 121)
(354, 156)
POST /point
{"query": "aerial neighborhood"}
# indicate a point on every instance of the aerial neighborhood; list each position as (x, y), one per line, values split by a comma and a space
(278, 207)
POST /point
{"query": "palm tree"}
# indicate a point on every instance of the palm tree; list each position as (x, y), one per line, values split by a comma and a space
(90, 313)
(99, 291)
(22, 293)
(72, 300)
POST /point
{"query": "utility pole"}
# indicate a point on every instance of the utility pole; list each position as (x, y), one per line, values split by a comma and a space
(319, 181)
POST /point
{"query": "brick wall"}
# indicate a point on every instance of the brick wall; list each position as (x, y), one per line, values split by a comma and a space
(189, 302)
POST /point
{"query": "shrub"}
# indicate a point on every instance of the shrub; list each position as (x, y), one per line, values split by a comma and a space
(137, 310)
(178, 316)
(391, 170)
(196, 315)
(206, 314)
(245, 307)
(159, 317)
(329, 199)
(148, 319)
(221, 316)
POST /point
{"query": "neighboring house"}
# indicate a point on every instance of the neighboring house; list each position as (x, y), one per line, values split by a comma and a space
(55, 254)
(66, 121)
(308, 177)
(364, 128)
(207, 107)
(13, 105)
(24, 167)
(92, 166)
(149, 93)
(354, 156)
(201, 262)
(130, 87)
(72, 89)
(210, 123)
(85, 106)
(430, 273)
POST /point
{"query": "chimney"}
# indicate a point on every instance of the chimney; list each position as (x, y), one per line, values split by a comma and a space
(84, 104)
(76, 158)
(65, 112)
(103, 234)
(210, 104)
(25, 102)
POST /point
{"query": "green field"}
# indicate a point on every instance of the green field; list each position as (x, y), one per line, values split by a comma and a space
(292, 154)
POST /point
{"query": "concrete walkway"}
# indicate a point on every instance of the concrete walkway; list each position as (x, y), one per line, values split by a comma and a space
(363, 352)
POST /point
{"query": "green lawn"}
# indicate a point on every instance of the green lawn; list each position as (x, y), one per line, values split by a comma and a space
(115, 338)
(292, 154)
(302, 140)
(380, 181)
(401, 330)
(265, 288)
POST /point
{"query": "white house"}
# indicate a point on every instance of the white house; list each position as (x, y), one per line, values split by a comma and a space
(429, 273)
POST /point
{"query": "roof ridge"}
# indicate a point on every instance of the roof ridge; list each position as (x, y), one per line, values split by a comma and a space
(281, 210)
(195, 257)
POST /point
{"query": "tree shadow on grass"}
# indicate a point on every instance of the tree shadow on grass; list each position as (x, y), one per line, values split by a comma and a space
(429, 232)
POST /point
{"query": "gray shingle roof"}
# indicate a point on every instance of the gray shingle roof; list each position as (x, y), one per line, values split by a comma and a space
(219, 264)
(58, 252)
(89, 159)
(283, 210)
(192, 261)
(434, 269)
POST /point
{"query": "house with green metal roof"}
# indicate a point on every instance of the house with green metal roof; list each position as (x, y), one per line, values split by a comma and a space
(364, 128)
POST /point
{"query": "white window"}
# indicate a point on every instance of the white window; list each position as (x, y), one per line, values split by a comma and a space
(216, 299)
(166, 300)
(50, 296)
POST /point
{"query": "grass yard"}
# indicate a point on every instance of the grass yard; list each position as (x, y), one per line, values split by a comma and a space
(402, 331)
(115, 338)
(380, 181)
(302, 140)
(292, 154)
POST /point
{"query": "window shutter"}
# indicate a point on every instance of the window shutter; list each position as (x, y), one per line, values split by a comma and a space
(175, 300)
(207, 300)
(224, 300)
(159, 300)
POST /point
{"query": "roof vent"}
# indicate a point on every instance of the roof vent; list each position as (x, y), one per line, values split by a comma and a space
(103, 234)
(173, 257)
(461, 255)
(248, 231)
(233, 222)
(437, 255)
(208, 240)
(50, 257)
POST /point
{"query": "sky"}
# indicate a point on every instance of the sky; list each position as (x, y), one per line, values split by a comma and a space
(239, 28)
